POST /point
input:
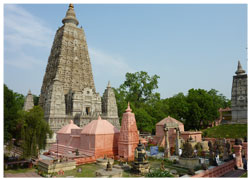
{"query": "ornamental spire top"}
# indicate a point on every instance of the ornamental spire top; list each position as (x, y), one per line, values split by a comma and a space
(128, 109)
(239, 71)
(70, 16)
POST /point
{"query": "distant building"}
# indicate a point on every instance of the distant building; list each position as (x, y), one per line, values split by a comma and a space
(29, 103)
(239, 97)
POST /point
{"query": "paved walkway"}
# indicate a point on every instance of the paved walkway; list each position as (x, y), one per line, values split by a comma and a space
(235, 173)
(28, 174)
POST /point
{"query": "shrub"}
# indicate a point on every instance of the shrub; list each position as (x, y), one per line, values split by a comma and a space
(161, 149)
(198, 146)
(159, 173)
(204, 133)
(197, 168)
(187, 151)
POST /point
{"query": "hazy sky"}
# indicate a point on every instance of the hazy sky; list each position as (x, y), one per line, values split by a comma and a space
(188, 46)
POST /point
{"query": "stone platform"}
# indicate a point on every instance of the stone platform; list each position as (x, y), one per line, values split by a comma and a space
(106, 174)
(103, 162)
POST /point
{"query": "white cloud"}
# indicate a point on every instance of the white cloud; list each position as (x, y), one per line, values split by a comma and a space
(24, 34)
(22, 28)
(109, 63)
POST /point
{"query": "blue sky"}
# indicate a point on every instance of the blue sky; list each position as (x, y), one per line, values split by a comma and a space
(188, 46)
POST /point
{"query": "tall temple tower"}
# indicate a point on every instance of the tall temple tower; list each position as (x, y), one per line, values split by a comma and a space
(239, 96)
(68, 90)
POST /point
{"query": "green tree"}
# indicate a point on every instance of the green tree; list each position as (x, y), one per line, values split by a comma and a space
(178, 106)
(203, 108)
(36, 99)
(34, 131)
(143, 120)
(138, 87)
(13, 102)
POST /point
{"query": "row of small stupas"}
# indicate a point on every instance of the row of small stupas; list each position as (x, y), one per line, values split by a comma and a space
(100, 138)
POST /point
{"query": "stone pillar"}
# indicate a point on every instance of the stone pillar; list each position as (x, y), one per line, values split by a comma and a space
(245, 149)
(238, 157)
(225, 153)
(177, 143)
(167, 149)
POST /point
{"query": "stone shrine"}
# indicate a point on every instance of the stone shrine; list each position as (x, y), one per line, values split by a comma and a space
(170, 131)
(68, 90)
(239, 97)
(29, 103)
(140, 164)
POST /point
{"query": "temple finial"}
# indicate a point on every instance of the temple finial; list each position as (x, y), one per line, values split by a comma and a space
(71, 122)
(70, 16)
(29, 92)
(128, 109)
(239, 71)
(99, 118)
(109, 84)
(71, 6)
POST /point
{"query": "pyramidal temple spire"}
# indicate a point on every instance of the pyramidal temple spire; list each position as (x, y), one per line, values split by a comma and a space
(70, 16)
(239, 71)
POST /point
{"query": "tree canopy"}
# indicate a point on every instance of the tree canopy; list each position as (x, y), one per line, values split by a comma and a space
(29, 129)
(197, 110)
(13, 102)
(34, 131)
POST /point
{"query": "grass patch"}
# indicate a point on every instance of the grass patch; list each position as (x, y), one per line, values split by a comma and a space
(88, 170)
(226, 131)
(244, 175)
(20, 170)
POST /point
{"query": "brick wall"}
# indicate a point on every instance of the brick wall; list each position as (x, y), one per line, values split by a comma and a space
(217, 171)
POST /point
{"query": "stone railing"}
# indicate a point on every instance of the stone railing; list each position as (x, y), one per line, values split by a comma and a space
(217, 171)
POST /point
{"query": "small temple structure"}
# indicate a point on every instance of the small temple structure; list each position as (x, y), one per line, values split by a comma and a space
(29, 103)
(129, 136)
(98, 138)
(174, 131)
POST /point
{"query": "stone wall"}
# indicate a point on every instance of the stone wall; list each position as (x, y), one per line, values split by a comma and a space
(48, 166)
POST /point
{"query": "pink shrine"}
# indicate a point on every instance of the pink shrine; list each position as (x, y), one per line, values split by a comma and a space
(129, 137)
(97, 139)
(159, 138)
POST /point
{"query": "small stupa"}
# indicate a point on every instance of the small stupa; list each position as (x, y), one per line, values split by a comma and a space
(140, 164)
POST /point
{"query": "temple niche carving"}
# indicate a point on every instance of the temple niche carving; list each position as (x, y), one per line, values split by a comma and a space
(68, 89)
(239, 97)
